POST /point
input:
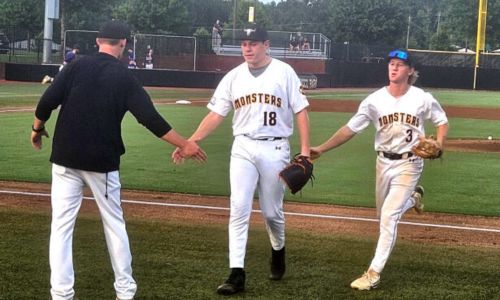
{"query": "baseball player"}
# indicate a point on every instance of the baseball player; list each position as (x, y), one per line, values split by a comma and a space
(398, 112)
(265, 95)
(68, 57)
(94, 93)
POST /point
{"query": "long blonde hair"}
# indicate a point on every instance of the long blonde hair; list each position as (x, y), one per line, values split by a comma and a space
(413, 77)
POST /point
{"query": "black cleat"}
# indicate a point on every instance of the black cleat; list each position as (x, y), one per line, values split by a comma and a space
(277, 264)
(234, 284)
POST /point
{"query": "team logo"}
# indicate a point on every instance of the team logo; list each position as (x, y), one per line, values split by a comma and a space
(249, 31)
(212, 101)
(301, 90)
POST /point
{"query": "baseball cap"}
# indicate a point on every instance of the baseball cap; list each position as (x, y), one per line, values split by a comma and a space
(114, 30)
(402, 55)
(253, 33)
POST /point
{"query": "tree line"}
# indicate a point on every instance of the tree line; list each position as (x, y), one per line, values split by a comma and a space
(422, 24)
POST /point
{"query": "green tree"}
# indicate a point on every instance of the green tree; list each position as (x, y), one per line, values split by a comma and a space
(361, 21)
(461, 21)
(155, 16)
(22, 14)
(203, 14)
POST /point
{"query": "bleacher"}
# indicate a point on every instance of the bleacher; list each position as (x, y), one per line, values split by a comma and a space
(319, 45)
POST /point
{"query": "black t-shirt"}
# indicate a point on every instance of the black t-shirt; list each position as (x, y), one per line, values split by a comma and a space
(94, 93)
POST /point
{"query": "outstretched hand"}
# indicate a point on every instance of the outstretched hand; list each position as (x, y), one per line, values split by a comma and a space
(315, 153)
(189, 150)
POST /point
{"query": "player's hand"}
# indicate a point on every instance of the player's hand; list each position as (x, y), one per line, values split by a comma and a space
(189, 150)
(315, 153)
(36, 139)
(177, 156)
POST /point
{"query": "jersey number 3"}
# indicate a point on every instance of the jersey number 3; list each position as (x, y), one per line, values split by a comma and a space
(409, 136)
(269, 118)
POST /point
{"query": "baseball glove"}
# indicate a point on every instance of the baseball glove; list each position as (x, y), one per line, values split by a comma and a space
(428, 148)
(297, 173)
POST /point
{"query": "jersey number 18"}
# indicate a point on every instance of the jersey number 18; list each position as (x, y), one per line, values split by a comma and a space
(269, 118)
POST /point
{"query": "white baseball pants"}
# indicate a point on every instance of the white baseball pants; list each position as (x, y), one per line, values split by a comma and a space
(396, 181)
(67, 193)
(256, 164)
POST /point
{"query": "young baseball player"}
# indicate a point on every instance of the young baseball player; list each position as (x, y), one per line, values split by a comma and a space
(398, 112)
(265, 94)
(93, 94)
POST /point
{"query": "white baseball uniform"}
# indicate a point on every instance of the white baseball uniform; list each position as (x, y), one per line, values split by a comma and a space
(398, 122)
(264, 108)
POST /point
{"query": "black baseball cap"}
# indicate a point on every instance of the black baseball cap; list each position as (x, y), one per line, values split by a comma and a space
(402, 55)
(114, 30)
(253, 33)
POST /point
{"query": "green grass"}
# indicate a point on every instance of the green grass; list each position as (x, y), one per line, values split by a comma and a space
(178, 261)
(21, 94)
(445, 97)
(460, 183)
(188, 261)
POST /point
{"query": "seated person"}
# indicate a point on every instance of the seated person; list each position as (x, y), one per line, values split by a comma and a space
(306, 46)
(294, 45)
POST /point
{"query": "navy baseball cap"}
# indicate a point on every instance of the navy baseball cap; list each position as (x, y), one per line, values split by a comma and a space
(402, 55)
(253, 33)
(114, 30)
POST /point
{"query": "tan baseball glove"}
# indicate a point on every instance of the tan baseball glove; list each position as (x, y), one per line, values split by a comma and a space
(428, 148)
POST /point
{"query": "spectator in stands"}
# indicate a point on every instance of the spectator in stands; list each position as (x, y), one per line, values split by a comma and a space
(68, 57)
(219, 28)
(148, 61)
(294, 44)
(216, 36)
(131, 59)
(300, 39)
(306, 46)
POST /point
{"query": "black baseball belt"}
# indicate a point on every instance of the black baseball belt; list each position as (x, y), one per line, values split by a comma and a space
(267, 138)
(395, 156)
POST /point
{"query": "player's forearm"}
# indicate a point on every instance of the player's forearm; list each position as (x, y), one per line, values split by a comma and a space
(441, 133)
(342, 135)
(304, 129)
(174, 138)
(38, 124)
(207, 125)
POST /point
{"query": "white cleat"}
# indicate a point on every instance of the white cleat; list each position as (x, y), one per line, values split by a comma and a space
(418, 194)
(46, 79)
(369, 280)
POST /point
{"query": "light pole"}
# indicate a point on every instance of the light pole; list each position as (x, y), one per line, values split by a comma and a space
(408, 32)
(234, 17)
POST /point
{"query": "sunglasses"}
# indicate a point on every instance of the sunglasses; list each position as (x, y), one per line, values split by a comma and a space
(399, 54)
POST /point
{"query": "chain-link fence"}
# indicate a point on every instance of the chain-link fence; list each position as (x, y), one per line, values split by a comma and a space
(283, 44)
(180, 52)
(377, 53)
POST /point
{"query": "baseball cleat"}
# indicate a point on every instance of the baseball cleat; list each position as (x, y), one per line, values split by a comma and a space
(418, 194)
(234, 284)
(277, 264)
(46, 79)
(369, 280)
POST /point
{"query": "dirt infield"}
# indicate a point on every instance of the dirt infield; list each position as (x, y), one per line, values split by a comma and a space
(428, 227)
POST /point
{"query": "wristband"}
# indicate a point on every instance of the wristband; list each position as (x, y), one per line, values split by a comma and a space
(37, 130)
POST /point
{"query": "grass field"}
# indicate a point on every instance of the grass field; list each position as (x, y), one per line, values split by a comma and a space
(188, 261)
(175, 260)
(345, 176)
